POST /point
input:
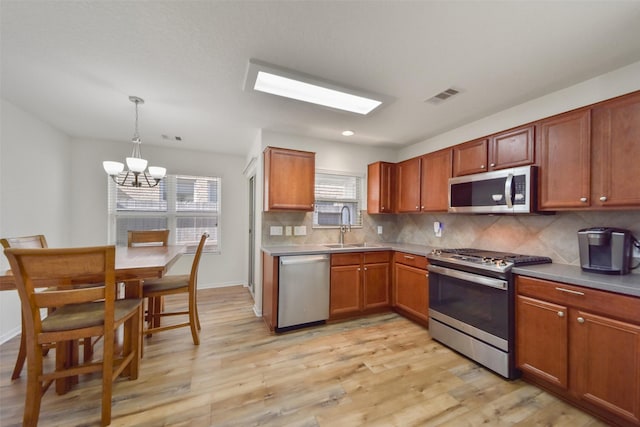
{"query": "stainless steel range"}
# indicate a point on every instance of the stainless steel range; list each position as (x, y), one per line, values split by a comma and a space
(471, 304)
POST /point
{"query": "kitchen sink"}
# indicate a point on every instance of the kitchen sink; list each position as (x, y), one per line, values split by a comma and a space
(352, 245)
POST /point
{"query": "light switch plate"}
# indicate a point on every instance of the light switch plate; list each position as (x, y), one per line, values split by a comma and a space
(287, 230)
(300, 230)
(275, 230)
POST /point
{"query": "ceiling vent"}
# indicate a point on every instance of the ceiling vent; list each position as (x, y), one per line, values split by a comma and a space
(446, 94)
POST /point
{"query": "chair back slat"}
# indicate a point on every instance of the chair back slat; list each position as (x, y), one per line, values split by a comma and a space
(147, 238)
(37, 241)
(59, 298)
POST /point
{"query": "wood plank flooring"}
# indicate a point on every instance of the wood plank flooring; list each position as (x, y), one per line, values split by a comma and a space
(382, 370)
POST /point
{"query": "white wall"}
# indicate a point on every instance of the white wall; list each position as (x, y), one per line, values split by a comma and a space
(89, 202)
(34, 197)
(610, 85)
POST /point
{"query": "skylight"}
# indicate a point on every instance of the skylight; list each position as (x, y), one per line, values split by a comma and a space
(265, 78)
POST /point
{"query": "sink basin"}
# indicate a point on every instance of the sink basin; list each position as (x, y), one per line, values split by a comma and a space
(352, 245)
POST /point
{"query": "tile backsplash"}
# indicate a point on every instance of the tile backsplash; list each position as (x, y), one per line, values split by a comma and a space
(552, 235)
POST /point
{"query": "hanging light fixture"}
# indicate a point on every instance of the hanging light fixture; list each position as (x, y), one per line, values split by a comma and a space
(136, 165)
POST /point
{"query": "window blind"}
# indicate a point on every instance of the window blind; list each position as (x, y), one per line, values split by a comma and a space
(332, 193)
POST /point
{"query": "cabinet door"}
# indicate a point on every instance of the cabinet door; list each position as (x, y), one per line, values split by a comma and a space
(408, 175)
(380, 187)
(436, 171)
(564, 148)
(411, 291)
(376, 285)
(512, 148)
(606, 361)
(345, 290)
(289, 179)
(542, 339)
(616, 152)
(470, 157)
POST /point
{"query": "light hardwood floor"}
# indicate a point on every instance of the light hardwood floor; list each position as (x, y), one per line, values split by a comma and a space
(377, 371)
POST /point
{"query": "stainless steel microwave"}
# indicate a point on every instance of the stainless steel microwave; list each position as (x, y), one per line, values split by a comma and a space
(502, 191)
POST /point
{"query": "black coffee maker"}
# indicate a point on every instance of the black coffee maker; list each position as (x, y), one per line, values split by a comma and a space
(605, 250)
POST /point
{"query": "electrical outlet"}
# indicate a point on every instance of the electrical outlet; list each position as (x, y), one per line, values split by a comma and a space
(276, 230)
(379, 229)
(300, 230)
(437, 228)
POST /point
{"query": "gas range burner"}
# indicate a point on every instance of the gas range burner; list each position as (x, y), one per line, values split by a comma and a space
(484, 259)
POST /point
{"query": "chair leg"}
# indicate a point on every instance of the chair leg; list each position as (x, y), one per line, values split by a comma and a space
(107, 376)
(22, 356)
(193, 321)
(34, 390)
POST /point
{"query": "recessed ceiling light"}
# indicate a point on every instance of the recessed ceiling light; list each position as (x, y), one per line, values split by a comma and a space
(348, 133)
(269, 79)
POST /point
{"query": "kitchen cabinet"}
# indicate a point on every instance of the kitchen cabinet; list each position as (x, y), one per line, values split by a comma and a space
(380, 187)
(359, 283)
(408, 176)
(564, 147)
(423, 182)
(289, 180)
(507, 149)
(582, 344)
(411, 287)
(615, 148)
(435, 174)
(270, 290)
(470, 157)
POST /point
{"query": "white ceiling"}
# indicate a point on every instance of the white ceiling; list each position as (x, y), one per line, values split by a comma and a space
(73, 64)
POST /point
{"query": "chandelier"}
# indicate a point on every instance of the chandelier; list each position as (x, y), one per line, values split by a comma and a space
(136, 165)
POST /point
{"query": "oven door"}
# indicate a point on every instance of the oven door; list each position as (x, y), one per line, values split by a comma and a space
(471, 303)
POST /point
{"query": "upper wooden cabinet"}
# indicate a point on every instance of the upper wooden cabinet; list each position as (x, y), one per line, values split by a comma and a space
(380, 187)
(408, 175)
(507, 149)
(564, 158)
(470, 157)
(615, 149)
(289, 180)
(512, 148)
(434, 188)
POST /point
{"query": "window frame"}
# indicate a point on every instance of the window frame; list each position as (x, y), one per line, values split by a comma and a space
(172, 213)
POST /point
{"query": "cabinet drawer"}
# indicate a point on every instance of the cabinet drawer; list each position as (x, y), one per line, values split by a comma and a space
(617, 306)
(412, 260)
(351, 258)
(375, 257)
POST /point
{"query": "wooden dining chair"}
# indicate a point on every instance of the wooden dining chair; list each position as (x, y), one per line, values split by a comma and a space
(147, 238)
(37, 241)
(80, 312)
(177, 284)
(158, 237)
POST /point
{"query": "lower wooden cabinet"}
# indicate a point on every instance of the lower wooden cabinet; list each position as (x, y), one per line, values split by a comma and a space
(411, 286)
(359, 283)
(582, 344)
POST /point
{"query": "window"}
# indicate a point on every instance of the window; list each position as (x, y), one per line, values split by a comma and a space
(186, 205)
(338, 200)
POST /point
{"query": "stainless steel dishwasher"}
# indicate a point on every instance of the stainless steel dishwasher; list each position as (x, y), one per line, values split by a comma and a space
(303, 290)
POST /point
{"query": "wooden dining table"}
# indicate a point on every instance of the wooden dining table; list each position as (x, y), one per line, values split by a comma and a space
(132, 266)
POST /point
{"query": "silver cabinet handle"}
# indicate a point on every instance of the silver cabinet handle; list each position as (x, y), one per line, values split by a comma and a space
(409, 257)
(561, 314)
(365, 269)
(417, 207)
(569, 291)
(580, 319)
(481, 166)
(492, 164)
(603, 198)
(583, 199)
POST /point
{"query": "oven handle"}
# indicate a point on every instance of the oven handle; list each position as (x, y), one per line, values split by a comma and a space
(474, 278)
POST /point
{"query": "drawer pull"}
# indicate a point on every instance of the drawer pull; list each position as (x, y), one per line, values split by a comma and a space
(580, 319)
(561, 314)
(569, 291)
(409, 257)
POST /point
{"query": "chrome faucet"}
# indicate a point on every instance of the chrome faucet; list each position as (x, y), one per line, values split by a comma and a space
(343, 226)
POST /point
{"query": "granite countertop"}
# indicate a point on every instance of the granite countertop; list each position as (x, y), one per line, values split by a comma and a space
(628, 284)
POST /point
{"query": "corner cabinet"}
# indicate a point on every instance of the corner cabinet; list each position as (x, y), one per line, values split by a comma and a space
(581, 344)
(359, 283)
(289, 180)
(411, 287)
(380, 187)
